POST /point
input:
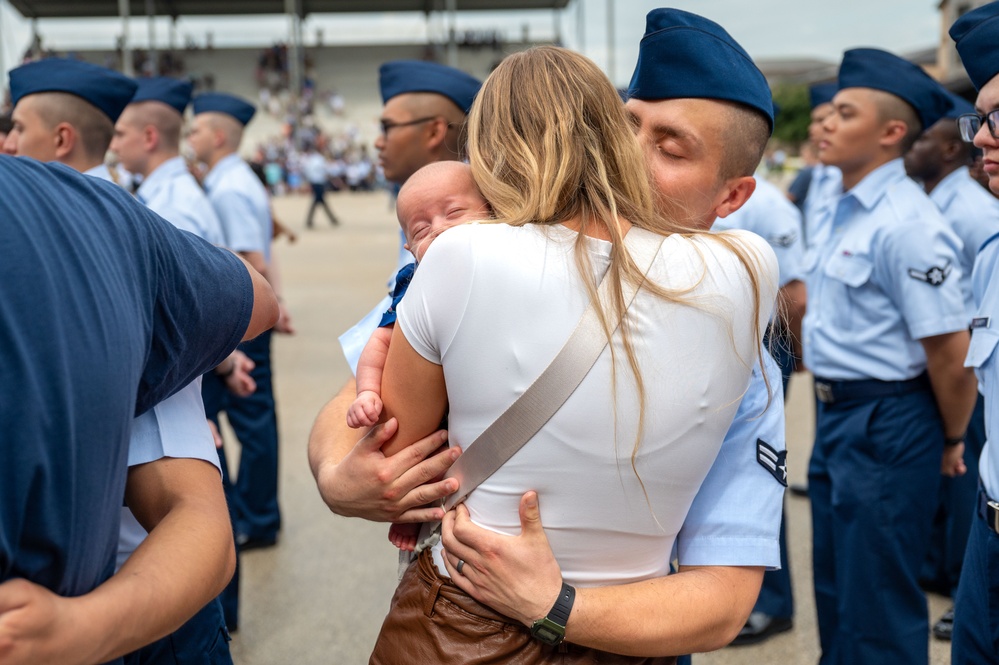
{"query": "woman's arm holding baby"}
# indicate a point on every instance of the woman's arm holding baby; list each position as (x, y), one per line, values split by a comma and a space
(413, 392)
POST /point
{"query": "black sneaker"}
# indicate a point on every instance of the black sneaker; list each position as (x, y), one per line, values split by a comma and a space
(944, 628)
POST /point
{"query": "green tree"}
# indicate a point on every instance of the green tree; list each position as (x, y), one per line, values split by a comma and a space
(791, 126)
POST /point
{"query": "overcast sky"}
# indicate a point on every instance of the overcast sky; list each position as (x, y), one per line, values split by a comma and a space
(766, 28)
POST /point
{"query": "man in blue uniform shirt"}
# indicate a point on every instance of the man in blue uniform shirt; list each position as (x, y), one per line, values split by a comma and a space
(178, 306)
(769, 214)
(976, 622)
(939, 159)
(825, 183)
(241, 203)
(885, 335)
(147, 143)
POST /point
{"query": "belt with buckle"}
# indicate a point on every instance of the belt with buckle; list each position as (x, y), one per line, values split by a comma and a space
(988, 510)
(829, 391)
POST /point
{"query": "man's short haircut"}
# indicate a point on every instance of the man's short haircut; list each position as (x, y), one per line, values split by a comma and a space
(166, 120)
(748, 132)
(231, 128)
(94, 128)
(891, 107)
(6, 123)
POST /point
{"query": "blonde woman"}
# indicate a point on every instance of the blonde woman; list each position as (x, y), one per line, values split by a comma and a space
(617, 467)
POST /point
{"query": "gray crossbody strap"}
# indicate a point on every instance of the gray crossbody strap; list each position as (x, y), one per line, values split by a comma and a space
(529, 413)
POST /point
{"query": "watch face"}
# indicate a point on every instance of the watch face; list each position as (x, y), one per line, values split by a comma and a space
(547, 631)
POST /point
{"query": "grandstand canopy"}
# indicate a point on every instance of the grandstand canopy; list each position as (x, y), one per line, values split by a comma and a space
(105, 8)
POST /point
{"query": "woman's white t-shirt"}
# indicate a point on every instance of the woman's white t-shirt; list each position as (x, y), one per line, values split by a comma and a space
(494, 303)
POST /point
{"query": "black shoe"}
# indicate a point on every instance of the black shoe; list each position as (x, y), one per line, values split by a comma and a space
(944, 628)
(799, 490)
(245, 543)
(760, 627)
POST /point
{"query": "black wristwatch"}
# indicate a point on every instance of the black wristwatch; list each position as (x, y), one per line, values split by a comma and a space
(551, 629)
(953, 440)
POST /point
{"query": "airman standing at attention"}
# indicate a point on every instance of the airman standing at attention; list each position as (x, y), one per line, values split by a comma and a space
(885, 335)
(976, 622)
(243, 208)
(939, 159)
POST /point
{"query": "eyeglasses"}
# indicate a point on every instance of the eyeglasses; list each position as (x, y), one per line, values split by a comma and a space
(970, 123)
(388, 124)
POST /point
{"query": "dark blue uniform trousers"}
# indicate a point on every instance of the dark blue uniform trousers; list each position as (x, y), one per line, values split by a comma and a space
(254, 421)
(976, 609)
(203, 640)
(955, 512)
(873, 482)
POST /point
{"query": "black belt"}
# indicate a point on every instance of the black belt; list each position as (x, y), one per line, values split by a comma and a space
(988, 510)
(830, 392)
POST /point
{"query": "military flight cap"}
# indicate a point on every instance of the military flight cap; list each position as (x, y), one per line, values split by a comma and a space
(959, 106)
(399, 77)
(881, 70)
(977, 38)
(683, 55)
(107, 90)
(821, 93)
(219, 102)
(170, 91)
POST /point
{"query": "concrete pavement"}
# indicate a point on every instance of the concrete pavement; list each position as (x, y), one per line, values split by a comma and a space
(320, 595)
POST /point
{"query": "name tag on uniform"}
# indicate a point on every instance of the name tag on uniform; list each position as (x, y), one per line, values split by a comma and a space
(980, 322)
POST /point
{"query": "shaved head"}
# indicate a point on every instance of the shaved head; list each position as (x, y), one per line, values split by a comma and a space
(891, 107)
(94, 128)
(163, 117)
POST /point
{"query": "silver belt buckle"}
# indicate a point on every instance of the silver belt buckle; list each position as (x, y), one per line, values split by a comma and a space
(824, 392)
(992, 515)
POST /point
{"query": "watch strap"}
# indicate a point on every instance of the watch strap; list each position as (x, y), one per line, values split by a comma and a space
(563, 605)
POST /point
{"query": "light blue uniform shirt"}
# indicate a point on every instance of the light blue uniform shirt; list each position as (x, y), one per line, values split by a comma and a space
(886, 276)
(735, 517)
(241, 203)
(982, 356)
(769, 214)
(820, 203)
(172, 193)
(973, 213)
(176, 427)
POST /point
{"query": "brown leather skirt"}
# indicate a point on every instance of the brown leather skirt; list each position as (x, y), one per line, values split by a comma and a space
(431, 620)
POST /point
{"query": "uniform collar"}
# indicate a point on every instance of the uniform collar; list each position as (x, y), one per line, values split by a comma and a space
(165, 171)
(876, 184)
(221, 167)
(100, 171)
(948, 188)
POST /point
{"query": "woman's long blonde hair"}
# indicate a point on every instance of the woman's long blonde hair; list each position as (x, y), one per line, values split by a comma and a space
(549, 141)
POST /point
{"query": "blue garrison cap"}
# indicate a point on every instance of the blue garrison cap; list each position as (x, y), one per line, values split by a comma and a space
(218, 102)
(977, 38)
(401, 76)
(822, 93)
(683, 55)
(881, 70)
(959, 106)
(170, 91)
(107, 90)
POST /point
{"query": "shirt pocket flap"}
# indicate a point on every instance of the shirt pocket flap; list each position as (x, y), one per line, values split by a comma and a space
(983, 345)
(850, 269)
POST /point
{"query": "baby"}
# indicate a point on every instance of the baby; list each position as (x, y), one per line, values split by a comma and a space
(435, 198)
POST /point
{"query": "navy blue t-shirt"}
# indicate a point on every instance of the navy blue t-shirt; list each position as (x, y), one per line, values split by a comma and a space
(105, 309)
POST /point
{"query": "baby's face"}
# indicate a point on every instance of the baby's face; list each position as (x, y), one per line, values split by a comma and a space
(428, 210)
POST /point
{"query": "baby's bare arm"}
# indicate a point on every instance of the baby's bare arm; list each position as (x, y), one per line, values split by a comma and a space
(372, 361)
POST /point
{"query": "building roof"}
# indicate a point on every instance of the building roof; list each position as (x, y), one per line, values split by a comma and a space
(104, 8)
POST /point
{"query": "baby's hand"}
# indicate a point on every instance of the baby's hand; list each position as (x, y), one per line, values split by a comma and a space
(365, 410)
(404, 536)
